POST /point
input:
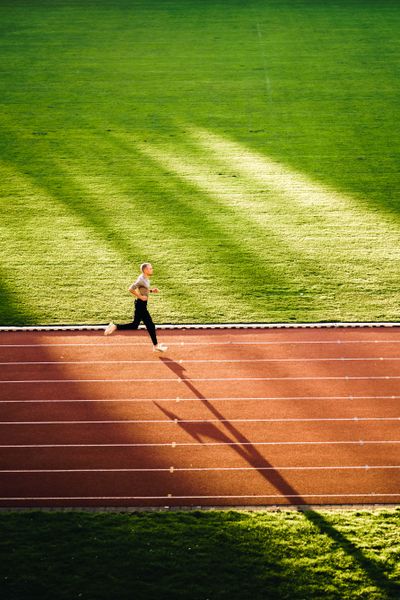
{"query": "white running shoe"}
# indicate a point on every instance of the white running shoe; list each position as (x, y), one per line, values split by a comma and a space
(110, 328)
(160, 348)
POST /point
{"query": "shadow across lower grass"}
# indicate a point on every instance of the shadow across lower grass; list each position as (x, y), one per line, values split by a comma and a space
(195, 555)
(13, 310)
(214, 241)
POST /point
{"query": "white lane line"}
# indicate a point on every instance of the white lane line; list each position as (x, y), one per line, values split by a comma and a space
(199, 421)
(267, 80)
(191, 343)
(203, 444)
(198, 400)
(201, 469)
(213, 361)
(173, 497)
(192, 379)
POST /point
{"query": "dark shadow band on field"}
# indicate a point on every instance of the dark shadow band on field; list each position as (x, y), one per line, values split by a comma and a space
(174, 556)
(63, 188)
(253, 457)
(383, 201)
(184, 214)
(174, 184)
(13, 309)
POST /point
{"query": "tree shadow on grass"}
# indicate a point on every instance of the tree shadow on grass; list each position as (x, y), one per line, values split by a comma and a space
(13, 311)
(248, 452)
(192, 223)
(184, 556)
(178, 206)
(64, 189)
(248, 251)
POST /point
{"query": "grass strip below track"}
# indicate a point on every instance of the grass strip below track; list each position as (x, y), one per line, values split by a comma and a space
(197, 555)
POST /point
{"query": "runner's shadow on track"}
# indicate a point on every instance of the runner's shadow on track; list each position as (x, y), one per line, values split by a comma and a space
(244, 448)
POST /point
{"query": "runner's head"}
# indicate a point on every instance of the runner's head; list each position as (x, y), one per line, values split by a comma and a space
(146, 268)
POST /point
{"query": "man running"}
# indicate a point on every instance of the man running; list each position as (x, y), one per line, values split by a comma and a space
(141, 289)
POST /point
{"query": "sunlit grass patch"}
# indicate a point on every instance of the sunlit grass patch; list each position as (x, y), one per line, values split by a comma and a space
(332, 243)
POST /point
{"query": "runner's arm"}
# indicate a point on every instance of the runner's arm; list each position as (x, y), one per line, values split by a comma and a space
(135, 292)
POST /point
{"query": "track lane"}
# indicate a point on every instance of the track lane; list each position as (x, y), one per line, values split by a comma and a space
(214, 337)
(166, 369)
(199, 455)
(168, 432)
(173, 388)
(200, 409)
(205, 483)
(142, 354)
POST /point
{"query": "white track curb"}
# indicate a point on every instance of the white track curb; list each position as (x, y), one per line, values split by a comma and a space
(172, 326)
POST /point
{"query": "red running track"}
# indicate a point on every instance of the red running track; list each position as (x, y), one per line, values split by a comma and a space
(225, 418)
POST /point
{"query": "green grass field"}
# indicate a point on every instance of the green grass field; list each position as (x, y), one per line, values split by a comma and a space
(199, 555)
(249, 150)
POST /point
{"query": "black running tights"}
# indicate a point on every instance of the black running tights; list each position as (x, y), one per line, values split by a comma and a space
(141, 314)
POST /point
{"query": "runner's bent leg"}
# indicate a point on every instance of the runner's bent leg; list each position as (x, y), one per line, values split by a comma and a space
(140, 306)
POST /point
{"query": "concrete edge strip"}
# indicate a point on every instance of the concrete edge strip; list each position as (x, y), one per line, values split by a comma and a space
(172, 497)
(276, 507)
(184, 326)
